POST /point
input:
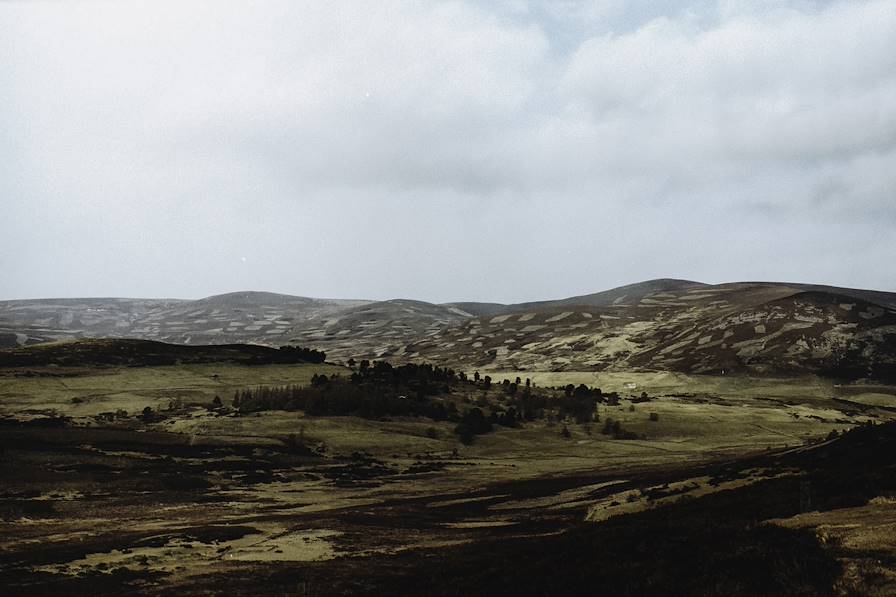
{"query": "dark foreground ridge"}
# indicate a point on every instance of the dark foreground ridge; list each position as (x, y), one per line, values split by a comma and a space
(722, 544)
(146, 353)
(716, 545)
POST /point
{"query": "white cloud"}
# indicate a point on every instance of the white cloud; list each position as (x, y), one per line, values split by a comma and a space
(165, 141)
(754, 94)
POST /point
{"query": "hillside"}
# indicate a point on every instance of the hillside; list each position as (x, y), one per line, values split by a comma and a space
(747, 327)
(379, 329)
(221, 319)
(676, 325)
(41, 320)
(146, 353)
(623, 294)
(628, 294)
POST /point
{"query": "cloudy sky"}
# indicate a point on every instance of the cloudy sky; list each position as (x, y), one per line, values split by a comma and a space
(500, 151)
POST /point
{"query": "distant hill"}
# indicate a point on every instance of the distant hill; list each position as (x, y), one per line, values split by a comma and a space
(629, 294)
(384, 323)
(731, 328)
(623, 294)
(259, 317)
(666, 324)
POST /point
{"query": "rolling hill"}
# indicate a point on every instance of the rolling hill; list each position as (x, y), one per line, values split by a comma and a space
(221, 319)
(667, 324)
(745, 327)
(623, 294)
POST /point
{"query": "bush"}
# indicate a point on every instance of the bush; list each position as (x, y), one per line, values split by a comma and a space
(654, 417)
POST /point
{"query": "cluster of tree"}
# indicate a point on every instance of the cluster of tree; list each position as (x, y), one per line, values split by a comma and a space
(336, 397)
(484, 382)
(583, 391)
(506, 418)
(472, 423)
(318, 380)
(300, 354)
(379, 389)
(511, 388)
(531, 405)
(419, 380)
(615, 429)
(375, 389)
(577, 402)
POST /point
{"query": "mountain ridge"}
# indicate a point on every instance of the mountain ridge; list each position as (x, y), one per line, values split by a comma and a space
(664, 324)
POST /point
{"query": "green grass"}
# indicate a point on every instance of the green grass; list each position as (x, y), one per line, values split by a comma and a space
(719, 416)
(133, 388)
(664, 382)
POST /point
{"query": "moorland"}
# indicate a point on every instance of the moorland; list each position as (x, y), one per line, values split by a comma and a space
(664, 438)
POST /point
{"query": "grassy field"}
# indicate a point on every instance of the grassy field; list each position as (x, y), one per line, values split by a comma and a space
(666, 383)
(133, 388)
(195, 492)
(696, 417)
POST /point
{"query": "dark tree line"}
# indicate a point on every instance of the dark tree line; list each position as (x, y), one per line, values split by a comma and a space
(339, 398)
(472, 423)
(577, 402)
(422, 379)
(300, 354)
(379, 389)
(375, 390)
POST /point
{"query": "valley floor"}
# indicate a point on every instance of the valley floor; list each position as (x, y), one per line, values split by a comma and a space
(738, 487)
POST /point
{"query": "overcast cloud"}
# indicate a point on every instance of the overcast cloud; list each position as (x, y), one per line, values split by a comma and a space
(443, 151)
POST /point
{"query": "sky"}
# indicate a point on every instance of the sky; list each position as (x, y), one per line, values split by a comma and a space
(499, 151)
